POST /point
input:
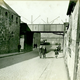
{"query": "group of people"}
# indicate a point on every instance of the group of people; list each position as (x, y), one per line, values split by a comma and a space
(42, 51)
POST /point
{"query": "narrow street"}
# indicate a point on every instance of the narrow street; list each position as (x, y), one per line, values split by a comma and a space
(28, 28)
(34, 68)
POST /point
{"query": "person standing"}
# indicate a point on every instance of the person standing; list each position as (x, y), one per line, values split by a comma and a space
(40, 51)
(59, 47)
(56, 53)
(19, 48)
(44, 51)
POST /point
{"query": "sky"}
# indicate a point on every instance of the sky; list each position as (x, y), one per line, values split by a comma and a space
(40, 12)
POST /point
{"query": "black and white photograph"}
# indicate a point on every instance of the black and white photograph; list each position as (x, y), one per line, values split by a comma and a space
(39, 40)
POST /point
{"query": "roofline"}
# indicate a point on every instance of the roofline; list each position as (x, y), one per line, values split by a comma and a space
(9, 8)
(71, 6)
(10, 11)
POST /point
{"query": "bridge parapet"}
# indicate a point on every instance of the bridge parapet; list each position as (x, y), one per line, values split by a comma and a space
(46, 27)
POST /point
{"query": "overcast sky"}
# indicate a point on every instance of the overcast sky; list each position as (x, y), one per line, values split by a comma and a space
(44, 11)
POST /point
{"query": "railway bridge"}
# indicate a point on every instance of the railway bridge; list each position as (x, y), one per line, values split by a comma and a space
(47, 28)
(32, 33)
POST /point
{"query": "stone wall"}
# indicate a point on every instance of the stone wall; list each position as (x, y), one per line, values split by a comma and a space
(78, 60)
(9, 31)
(70, 42)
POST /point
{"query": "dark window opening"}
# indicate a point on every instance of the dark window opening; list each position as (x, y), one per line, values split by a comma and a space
(6, 14)
(17, 20)
(12, 18)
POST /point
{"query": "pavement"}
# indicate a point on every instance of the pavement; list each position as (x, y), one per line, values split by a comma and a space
(49, 68)
(10, 54)
(15, 53)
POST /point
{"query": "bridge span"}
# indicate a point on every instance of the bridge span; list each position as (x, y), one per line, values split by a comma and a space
(51, 28)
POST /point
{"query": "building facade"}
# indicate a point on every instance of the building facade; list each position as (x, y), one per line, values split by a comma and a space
(72, 42)
(9, 29)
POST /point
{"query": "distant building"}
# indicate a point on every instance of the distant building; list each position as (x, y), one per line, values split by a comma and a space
(9, 29)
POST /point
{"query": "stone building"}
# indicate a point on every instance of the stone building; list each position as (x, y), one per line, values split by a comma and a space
(9, 29)
(72, 41)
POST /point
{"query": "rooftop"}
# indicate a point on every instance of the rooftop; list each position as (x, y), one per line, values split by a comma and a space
(6, 6)
(71, 6)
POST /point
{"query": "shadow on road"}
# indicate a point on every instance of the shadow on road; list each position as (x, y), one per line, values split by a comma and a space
(10, 60)
(49, 57)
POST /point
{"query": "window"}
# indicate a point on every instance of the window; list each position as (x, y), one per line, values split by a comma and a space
(17, 20)
(12, 18)
(6, 14)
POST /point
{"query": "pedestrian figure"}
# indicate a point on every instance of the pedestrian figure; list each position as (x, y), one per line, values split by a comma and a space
(19, 48)
(36, 45)
(56, 53)
(59, 47)
(40, 51)
(44, 51)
